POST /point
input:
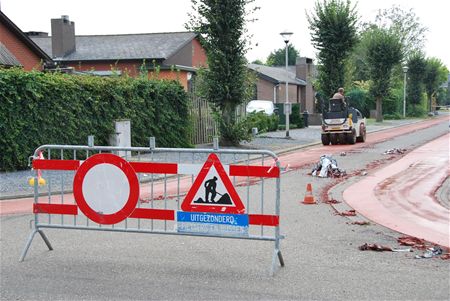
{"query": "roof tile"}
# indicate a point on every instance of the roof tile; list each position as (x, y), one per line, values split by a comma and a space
(122, 47)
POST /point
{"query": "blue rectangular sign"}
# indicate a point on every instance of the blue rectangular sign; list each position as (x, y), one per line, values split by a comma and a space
(212, 223)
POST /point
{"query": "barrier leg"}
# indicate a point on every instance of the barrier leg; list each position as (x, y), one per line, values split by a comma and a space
(47, 242)
(30, 239)
(280, 258)
(276, 255)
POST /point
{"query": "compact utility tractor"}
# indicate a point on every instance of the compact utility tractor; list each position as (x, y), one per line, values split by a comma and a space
(342, 124)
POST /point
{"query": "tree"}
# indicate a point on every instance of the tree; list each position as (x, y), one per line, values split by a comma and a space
(406, 25)
(333, 33)
(358, 62)
(416, 71)
(258, 62)
(435, 74)
(447, 101)
(278, 57)
(221, 25)
(384, 51)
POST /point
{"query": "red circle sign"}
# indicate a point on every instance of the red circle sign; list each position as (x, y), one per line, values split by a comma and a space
(106, 188)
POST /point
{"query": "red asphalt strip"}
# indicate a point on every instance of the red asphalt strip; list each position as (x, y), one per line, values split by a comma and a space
(294, 160)
(401, 195)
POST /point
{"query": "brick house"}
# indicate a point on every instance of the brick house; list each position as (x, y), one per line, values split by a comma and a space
(271, 85)
(17, 49)
(178, 54)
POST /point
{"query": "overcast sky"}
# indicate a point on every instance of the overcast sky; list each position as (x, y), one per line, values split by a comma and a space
(145, 16)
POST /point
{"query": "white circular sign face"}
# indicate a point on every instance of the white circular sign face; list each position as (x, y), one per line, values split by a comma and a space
(106, 188)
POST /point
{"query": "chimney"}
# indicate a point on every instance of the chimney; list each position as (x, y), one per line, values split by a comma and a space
(63, 37)
(303, 67)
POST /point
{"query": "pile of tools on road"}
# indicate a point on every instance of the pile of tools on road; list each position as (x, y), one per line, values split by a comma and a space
(327, 168)
(395, 151)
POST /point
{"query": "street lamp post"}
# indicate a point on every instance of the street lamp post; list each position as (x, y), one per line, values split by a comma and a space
(286, 35)
(405, 70)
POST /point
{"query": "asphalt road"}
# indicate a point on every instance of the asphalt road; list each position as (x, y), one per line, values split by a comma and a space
(320, 251)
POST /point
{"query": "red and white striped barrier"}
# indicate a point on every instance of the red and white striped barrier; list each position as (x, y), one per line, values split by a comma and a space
(130, 169)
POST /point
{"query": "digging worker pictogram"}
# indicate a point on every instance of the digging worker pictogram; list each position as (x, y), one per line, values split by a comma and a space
(210, 188)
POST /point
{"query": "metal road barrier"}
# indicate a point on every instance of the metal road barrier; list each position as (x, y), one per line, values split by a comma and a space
(225, 193)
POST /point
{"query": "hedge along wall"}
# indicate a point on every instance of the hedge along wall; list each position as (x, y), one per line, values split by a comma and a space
(51, 108)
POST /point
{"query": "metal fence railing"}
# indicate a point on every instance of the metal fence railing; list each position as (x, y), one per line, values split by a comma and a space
(227, 193)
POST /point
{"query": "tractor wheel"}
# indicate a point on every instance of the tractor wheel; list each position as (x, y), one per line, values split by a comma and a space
(341, 138)
(333, 139)
(362, 133)
(325, 139)
(351, 138)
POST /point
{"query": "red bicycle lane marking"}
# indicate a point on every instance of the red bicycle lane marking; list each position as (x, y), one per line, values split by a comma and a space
(300, 158)
(401, 196)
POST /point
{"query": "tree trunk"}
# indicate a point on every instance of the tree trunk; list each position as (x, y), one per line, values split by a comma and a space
(227, 135)
(429, 103)
(379, 108)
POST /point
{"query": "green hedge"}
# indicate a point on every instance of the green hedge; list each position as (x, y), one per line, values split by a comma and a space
(262, 121)
(295, 118)
(50, 108)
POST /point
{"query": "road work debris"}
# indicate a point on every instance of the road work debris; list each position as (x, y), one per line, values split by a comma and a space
(381, 248)
(430, 252)
(395, 151)
(412, 242)
(347, 213)
(360, 223)
(327, 167)
(374, 247)
(332, 201)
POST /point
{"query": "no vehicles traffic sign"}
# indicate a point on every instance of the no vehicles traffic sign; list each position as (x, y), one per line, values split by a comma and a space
(106, 188)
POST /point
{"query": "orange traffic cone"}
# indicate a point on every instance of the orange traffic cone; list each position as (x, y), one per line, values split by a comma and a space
(309, 198)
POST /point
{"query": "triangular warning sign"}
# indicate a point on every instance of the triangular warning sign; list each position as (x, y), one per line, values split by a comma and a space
(212, 191)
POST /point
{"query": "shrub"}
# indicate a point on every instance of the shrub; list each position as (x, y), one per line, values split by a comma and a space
(361, 100)
(394, 116)
(52, 108)
(296, 119)
(416, 111)
(262, 121)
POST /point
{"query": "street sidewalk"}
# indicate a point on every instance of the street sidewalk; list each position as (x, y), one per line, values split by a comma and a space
(15, 184)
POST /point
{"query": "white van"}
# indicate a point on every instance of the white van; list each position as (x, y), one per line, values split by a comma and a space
(265, 106)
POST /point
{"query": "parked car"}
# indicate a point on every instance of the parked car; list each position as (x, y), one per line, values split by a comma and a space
(265, 106)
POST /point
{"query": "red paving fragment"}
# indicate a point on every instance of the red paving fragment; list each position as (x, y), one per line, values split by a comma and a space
(347, 213)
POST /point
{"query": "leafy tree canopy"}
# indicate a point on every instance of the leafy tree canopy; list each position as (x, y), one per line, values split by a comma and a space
(405, 24)
(333, 33)
(258, 62)
(416, 71)
(435, 75)
(222, 28)
(278, 57)
(384, 52)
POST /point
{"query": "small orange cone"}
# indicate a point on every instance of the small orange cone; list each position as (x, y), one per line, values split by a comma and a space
(309, 198)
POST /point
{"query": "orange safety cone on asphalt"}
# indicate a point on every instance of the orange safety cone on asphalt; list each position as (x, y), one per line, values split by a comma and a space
(309, 198)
